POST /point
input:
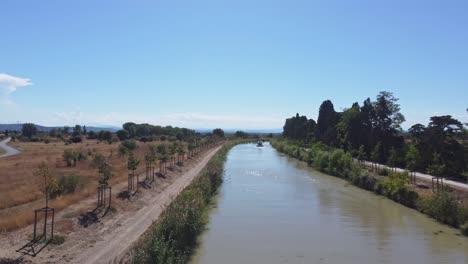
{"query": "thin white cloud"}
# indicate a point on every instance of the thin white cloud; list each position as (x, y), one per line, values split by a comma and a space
(8, 85)
(191, 120)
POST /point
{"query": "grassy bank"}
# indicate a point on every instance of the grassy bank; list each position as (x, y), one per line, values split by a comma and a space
(442, 206)
(173, 237)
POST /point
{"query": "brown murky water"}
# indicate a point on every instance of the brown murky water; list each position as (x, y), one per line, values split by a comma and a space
(272, 209)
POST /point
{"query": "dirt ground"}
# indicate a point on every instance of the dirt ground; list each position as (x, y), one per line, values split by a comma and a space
(19, 191)
(108, 237)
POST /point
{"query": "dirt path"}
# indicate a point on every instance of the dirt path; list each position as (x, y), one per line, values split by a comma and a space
(9, 151)
(426, 177)
(108, 240)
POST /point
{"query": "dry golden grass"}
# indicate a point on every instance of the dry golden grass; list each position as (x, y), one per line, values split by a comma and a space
(19, 192)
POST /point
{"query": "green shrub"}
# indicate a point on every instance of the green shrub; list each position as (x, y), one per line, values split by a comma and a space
(464, 229)
(57, 240)
(68, 183)
(129, 144)
(444, 207)
(384, 172)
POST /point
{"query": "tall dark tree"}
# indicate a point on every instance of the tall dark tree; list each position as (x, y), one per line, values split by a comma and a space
(367, 125)
(326, 123)
(218, 132)
(29, 130)
(349, 128)
(440, 137)
(387, 123)
(299, 128)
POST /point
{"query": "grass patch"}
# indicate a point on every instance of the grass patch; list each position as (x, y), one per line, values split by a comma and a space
(57, 240)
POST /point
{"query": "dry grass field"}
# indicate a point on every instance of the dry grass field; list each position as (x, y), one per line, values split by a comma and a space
(19, 191)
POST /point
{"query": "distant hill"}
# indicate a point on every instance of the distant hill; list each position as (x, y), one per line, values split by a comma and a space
(17, 127)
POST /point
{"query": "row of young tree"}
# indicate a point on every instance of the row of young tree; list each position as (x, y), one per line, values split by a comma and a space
(372, 131)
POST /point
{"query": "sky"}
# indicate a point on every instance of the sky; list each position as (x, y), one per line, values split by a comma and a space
(229, 64)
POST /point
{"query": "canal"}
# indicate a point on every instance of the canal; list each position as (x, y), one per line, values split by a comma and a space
(273, 209)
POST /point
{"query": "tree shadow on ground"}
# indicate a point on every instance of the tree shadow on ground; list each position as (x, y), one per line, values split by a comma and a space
(422, 186)
(88, 218)
(124, 195)
(160, 175)
(19, 260)
(145, 184)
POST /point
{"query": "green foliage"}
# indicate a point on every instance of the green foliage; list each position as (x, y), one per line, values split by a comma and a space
(394, 186)
(123, 134)
(361, 155)
(47, 184)
(150, 131)
(172, 238)
(437, 167)
(299, 128)
(130, 144)
(218, 132)
(376, 154)
(104, 169)
(71, 157)
(412, 158)
(133, 162)
(57, 240)
(68, 183)
(29, 130)
(444, 207)
(464, 229)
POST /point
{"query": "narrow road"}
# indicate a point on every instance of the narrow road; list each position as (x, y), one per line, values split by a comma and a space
(427, 177)
(9, 151)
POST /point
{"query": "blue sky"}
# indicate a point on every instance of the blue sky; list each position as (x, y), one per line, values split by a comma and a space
(229, 64)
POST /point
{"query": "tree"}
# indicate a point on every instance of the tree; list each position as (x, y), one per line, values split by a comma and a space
(47, 184)
(436, 168)
(172, 152)
(440, 136)
(105, 136)
(218, 132)
(242, 134)
(367, 117)
(299, 128)
(326, 123)
(133, 163)
(70, 157)
(387, 112)
(361, 155)
(77, 130)
(104, 169)
(29, 130)
(412, 160)
(123, 134)
(393, 158)
(349, 128)
(181, 153)
(376, 154)
(163, 157)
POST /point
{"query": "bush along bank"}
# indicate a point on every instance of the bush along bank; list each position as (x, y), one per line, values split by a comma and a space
(442, 206)
(173, 237)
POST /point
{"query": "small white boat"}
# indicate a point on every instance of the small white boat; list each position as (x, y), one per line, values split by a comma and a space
(259, 144)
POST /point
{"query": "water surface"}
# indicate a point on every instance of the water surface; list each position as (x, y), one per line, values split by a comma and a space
(272, 209)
